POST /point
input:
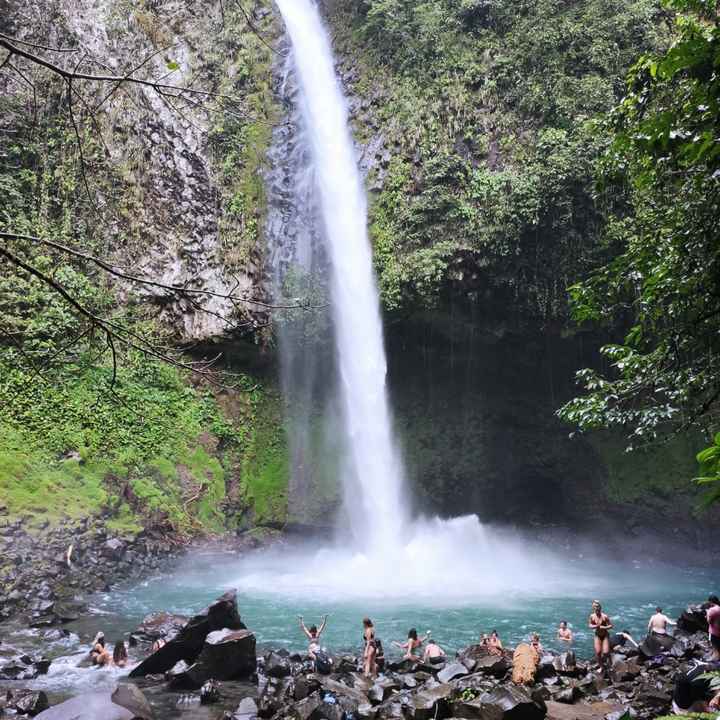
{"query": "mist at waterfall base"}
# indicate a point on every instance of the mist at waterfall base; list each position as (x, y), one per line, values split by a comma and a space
(318, 223)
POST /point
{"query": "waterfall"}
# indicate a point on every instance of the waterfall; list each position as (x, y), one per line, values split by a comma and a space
(372, 474)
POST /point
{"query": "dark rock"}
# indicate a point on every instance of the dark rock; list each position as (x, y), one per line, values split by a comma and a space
(226, 655)
(113, 549)
(451, 671)
(91, 706)
(29, 702)
(131, 698)
(304, 709)
(161, 625)
(42, 665)
(304, 687)
(16, 670)
(274, 694)
(340, 689)
(210, 692)
(275, 665)
(566, 664)
(429, 703)
(693, 620)
(568, 695)
(496, 665)
(503, 703)
(188, 643)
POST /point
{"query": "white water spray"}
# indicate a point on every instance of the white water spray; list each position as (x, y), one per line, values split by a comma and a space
(373, 467)
(391, 557)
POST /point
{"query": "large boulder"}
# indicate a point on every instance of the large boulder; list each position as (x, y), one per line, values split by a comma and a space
(160, 625)
(189, 642)
(452, 671)
(273, 695)
(93, 706)
(276, 665)
(226, 655)
(429, 703)
(27, 702)
(655, 644)
(503, 703)
(693, 620)
(113, 549)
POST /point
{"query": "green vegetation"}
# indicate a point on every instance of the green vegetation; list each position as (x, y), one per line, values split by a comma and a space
(156, 453)
(662, 285)
(488, 106)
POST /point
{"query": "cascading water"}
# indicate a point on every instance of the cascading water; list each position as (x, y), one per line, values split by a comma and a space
(317, 227)
(373, 474)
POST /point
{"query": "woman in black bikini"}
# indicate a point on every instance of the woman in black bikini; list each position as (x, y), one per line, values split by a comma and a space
(370, 649)
(601, 624)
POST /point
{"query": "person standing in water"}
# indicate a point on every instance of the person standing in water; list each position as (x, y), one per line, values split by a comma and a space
(564, 633)
(601, 624)
(659, 622)
(313, 635)
(412, 644)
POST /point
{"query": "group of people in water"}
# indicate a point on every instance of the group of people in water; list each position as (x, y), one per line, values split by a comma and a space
(425, 649)
(692, 689)
(100, 654)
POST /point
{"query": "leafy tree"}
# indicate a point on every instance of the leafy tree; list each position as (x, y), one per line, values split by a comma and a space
(663, 285)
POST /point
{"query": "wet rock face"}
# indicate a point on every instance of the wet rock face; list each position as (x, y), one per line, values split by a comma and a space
(48, 572)
(157, 184)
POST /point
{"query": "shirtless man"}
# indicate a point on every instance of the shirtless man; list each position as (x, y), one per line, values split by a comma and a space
(601, 624)
(433, 654)
(564, 633)
(659, 622)
(313, 635)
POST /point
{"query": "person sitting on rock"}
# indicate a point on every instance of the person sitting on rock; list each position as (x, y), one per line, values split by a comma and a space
(564, 633)
(601, 624)
(99, 654)
(411, 645)
(433, 654)
(494, 644)
(120, 654)
(313, 635)
(659, 622)
(159, 642)
(713, 620)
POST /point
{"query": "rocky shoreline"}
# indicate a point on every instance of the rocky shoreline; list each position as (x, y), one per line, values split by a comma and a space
(213, 655)
(47, 574)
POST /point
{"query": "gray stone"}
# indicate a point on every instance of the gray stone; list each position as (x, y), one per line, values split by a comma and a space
(451, 671)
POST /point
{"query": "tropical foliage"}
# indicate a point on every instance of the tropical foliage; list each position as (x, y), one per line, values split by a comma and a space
(662, 172)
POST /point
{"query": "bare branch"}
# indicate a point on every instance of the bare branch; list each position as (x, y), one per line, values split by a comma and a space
(179, 289)
(72, 75)
(38, 46)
